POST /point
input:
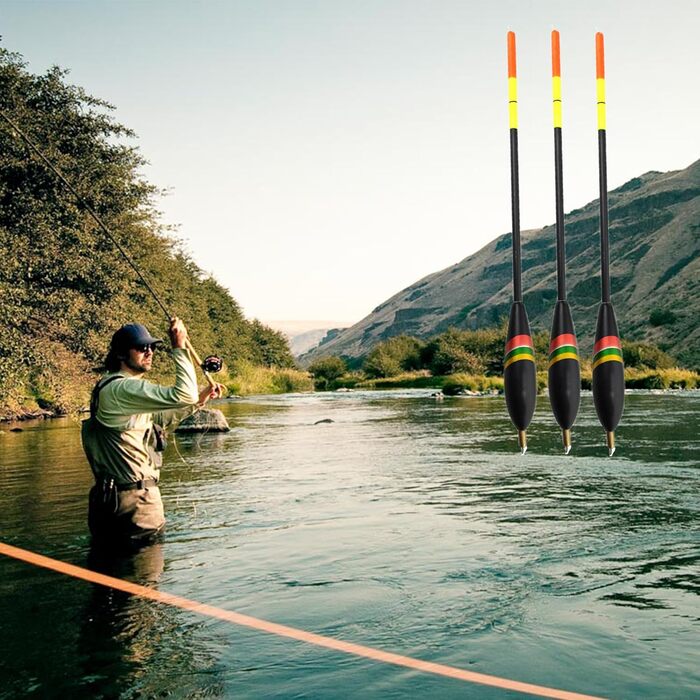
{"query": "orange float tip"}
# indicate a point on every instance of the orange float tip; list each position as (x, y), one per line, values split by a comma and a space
(511, 55)
(599, 56)
(556, 60)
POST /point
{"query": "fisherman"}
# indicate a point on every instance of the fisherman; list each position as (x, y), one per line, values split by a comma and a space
(124, 437)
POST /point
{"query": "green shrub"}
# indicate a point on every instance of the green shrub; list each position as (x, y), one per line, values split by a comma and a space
(248, 378)
(470, 352)
(420, 379)
(637, 354)
(662, 317)
(459, 383)
(393, 356)
(326, 371)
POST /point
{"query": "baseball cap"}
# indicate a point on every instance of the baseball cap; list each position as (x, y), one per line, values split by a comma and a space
(131, 335)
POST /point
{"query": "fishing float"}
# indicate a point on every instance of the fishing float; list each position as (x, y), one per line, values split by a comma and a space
(519, 372)
(564, 371)
(608, 367)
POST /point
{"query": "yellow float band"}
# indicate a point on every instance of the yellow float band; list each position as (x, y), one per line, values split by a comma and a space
(513, 102)
(556, 100)
(600, 96)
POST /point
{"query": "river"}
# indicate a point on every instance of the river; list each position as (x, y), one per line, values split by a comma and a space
(406, 524)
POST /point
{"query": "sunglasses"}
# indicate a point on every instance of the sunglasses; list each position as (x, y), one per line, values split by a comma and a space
(146, 347)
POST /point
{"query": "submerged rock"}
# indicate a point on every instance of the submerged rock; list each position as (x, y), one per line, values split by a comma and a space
(206, 420)
(324, 420)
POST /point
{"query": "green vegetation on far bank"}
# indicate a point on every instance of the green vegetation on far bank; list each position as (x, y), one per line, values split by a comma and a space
(249, 378)
(472, 361)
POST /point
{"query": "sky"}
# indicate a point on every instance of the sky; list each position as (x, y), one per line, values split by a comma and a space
(320, 156)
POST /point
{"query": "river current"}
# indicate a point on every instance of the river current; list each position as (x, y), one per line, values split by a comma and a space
(406, 524)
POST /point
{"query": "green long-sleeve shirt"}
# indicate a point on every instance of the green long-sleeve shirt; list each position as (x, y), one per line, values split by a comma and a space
(117, 443)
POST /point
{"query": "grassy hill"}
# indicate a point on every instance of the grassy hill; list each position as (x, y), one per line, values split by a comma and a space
(655, 269)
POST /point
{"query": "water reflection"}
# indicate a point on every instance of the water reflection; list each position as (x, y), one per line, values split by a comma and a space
(131, 647)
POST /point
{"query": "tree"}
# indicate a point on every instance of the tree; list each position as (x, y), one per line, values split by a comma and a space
(328, 368)
(451, 354)
(393, 356)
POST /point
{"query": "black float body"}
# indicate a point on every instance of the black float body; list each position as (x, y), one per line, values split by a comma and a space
(520, 375)
(564, 373)
(608, 370)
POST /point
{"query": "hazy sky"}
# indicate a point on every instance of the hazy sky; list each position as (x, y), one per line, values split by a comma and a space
(321, 156)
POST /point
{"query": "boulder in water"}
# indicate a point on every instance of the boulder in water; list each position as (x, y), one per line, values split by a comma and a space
(206, 420)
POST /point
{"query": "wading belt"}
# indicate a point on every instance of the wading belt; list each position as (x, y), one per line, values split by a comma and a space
(137, 485)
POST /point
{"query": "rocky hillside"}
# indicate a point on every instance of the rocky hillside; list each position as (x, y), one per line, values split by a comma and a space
(655, 269)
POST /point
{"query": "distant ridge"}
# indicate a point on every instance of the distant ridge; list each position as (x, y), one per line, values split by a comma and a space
(655, 268)
(304, 336)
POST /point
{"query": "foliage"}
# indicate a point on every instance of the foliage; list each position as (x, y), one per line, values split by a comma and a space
(326, 371)
(452, 352)
(393, 356)
(272, 349)
(64, 287)
(462, 383)
(637, 354)
(249, 378)
(474, 351)
(418, 379)
(662, 317)
(673, 378)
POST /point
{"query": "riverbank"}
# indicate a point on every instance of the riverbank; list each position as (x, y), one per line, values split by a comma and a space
(455, 384)
(247, 379)
(254, 380)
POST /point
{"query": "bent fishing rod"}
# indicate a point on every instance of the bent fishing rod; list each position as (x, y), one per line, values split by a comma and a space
(519, 372)
(211, 363)
(564, 372)
(608, 368)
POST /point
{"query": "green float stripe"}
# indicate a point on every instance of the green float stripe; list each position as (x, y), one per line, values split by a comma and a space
(523, 350)
(607, 351)
(561, 350)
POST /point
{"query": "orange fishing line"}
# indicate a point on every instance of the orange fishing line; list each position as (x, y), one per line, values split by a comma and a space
(284, 631)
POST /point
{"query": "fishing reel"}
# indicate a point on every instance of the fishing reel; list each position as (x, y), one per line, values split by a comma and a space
(212, 364)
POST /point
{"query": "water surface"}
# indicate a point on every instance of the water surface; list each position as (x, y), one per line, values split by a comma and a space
(407, 524)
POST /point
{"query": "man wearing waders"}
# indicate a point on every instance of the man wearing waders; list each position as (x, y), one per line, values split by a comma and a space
(124, 436)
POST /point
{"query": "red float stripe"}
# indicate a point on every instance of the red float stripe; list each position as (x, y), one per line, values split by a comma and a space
(518, 340)
(563, 339)
(599, 56)
(609, 341)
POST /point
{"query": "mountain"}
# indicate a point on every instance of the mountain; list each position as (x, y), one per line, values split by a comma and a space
(304, 336)
(303, 342)
(655, 276)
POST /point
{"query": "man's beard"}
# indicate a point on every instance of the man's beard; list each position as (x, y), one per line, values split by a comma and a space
(135, 367)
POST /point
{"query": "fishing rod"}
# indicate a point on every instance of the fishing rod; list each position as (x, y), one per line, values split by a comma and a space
(608, 368)
(209, 364)
(519, 372)
(564, 372)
